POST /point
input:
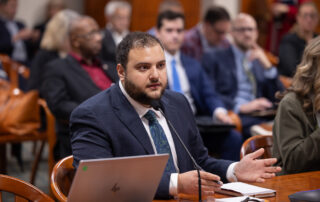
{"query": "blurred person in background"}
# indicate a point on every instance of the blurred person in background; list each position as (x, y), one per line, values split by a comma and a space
(69, 81)
(242, 75)
(296, 130)
(167, 5)
(208, 35)
(54, 44)
(52, 7)
(118, 15)
(186, 76)
(15, 40)
(292, 45)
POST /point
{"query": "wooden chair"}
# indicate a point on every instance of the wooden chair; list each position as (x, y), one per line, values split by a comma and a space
(36, 135)
(14, 69)
(61, 178)
(23, 191)
(236, 119)
(256, 142)
(286, 81)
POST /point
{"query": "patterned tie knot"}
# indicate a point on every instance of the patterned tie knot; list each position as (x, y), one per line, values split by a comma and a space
(151, 116)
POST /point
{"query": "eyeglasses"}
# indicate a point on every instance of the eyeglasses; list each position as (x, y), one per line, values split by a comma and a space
(310, 15)
(90, 35)
(244, 29)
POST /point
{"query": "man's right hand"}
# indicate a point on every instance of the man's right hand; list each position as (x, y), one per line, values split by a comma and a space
(255, 105)
(188, 183)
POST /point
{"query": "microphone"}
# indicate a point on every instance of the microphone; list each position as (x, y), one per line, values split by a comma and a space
(155, 104)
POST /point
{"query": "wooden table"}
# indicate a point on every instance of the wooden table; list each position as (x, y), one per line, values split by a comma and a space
(284, 185)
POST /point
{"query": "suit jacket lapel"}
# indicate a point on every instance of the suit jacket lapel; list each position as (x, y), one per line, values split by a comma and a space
(76, 67)
(130, 118)
(232, 64)
(173, 117)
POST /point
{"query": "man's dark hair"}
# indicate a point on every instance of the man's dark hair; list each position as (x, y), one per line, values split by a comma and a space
(168, 15)
(131, 41)
(4, 1)
(215, 14)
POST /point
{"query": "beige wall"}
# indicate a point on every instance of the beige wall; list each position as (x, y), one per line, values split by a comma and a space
(32, 12)
(233, 6)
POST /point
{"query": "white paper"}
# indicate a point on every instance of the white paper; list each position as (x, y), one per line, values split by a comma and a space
(236, 199)
(246, 189)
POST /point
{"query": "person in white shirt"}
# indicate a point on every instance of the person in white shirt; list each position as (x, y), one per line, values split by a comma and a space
(185, 75)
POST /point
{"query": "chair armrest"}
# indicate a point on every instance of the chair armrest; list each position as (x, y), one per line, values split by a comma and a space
(236, 120)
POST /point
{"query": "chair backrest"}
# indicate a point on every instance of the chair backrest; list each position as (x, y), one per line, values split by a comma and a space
(286, 81)
(22, 190)
(50, 133)
(256, 142)
(14, 69)
(61, 178)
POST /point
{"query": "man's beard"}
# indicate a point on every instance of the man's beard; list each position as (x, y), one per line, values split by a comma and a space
(137, 94)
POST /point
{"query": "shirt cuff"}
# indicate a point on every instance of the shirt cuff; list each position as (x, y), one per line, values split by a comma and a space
(173, 185)
(217, 110)
(231, 177)
(271, 73)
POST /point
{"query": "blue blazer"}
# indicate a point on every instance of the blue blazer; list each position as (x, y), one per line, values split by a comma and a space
(205, 98)
(107, 125)
(221, 68)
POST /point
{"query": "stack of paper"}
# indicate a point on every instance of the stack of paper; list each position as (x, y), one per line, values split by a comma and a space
(243, 189)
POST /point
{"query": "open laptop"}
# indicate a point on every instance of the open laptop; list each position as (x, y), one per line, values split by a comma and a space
(123, 179)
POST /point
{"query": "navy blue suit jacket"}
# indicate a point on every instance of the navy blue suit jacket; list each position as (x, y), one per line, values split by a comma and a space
(106, 125)
(221, 68)
(205, 98)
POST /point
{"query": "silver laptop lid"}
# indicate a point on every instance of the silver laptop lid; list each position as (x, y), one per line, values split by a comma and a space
(134, 178)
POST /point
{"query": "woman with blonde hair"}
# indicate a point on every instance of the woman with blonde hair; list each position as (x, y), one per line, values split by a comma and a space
(54, 44)
(296, 131)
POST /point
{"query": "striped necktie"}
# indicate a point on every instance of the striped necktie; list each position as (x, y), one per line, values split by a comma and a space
(250, 75)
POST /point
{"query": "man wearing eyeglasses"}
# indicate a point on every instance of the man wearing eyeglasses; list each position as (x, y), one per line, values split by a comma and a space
(242, 74)
(69, 81)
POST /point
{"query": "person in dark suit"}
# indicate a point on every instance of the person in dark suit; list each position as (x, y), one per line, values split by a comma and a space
(120, 122)
(242, 74)
(15, 40)
(69, 81)
(192, 81)
(292, 44)
(117, 14)
(55, 44)
(210, 34)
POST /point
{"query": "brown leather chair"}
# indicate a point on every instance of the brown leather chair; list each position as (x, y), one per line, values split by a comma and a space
(256, 142)
(14, 69)
(23, 191)
(36, 135)
(61, 178)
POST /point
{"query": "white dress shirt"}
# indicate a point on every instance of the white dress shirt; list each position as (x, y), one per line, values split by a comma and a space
(117, 37)
(183, 78)
(142, 110)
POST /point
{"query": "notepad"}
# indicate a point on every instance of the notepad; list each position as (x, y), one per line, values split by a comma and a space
(243, 189)
(237, 199)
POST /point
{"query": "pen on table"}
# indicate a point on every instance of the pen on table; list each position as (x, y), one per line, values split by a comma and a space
(218, 182)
